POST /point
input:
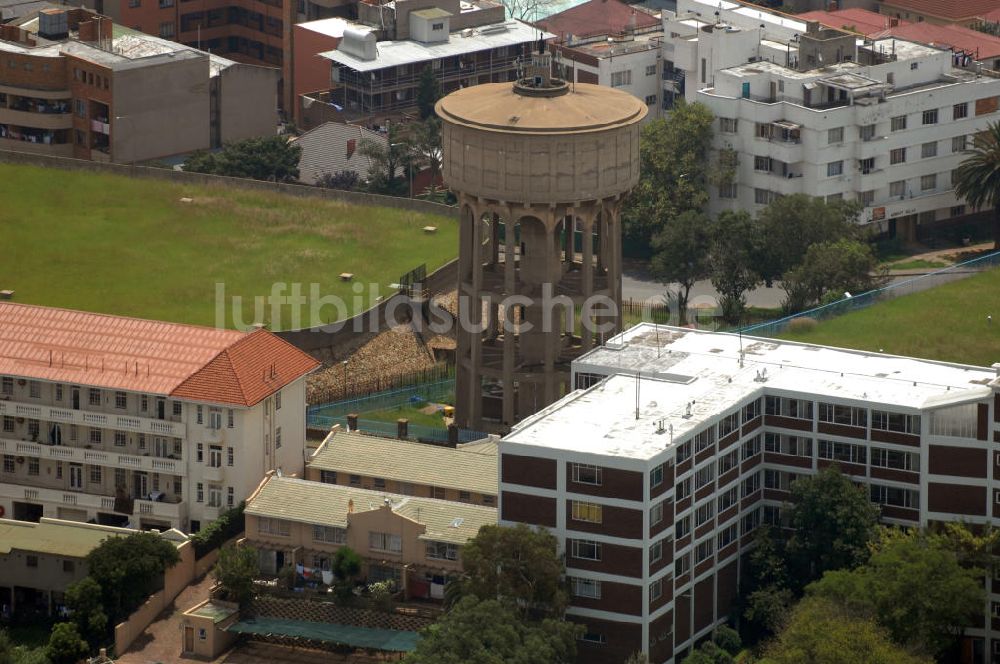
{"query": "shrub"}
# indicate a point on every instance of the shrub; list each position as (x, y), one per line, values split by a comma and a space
(229, 524)
(236, 570)
(802, 325)
(65, 644)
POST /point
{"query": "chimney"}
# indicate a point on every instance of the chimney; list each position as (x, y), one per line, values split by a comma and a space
(452, 435)
(352, 421)
(402, 426)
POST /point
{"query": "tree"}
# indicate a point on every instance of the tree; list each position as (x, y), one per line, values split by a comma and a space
(681, 257)
(83, 598)
(529, 10)
(428, 92)
(914, 586)
(519, 566)
(235, 571)
(794, 223)
(344, 180)
(492, 632)
(346, 566)
(833, 522)
(977, 178)
(425, 148)
(720, 649)
(828, 271)
(273, 159)
(823, 632)
(65, 644)
(766, 595)
(6, 649)
(130, 569)
(734, 250)
(674, 154)
(388, 160)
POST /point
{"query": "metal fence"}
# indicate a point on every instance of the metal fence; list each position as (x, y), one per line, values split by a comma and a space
(358, 388)
(420, 432)
(441, 390)
(906, 286)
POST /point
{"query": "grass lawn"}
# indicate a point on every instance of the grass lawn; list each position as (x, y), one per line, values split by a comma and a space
(917, 264)
(129, 246)
(409, 412)
(944, 323)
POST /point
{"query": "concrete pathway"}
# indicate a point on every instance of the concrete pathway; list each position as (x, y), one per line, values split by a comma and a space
(161, 642)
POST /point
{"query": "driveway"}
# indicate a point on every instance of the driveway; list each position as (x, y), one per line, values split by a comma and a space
(639, 285)
(161, 642)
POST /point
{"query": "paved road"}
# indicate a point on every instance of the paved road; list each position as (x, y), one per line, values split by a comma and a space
(637, 284)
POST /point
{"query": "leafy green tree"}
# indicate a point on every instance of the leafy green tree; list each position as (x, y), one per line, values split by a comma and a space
(83, 598)
(65, 644)
(235, 571)
(26, 655)
(492, 632)
(833, 522)
(821, 631)
(794, 223)
(766, 596)
(977, 178)
(735, 246)
(428, 92)
(915, 587)
(728, 639)
(346, 566)
(388, 160)
(128, 570)
(682, 254)
(675, 156)
(830, 269)
(273, 159)
(424, 141)
(517, 565)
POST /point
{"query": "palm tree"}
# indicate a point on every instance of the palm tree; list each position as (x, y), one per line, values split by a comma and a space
(977, 179)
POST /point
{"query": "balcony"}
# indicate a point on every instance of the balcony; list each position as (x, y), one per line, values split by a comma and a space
(36, 120)
(158, 509)
(92, 457)
(21, 145)
(174, 512)
(100, 127)
(213, 473)
(92, 419)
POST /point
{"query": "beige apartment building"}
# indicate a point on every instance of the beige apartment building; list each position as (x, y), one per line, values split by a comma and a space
(413, 542)
(467, 473)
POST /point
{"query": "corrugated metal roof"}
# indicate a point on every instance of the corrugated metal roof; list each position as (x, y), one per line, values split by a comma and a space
(954, 10)
(116, 352)
(56, 537)
(325, 149)
(316, 503)
(464, 469)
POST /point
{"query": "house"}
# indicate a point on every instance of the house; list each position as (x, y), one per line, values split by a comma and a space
(963, 12)
(75, 86)
(333, 147)
(678, 444)
(466, 473)
(413, 542)
(123, 421)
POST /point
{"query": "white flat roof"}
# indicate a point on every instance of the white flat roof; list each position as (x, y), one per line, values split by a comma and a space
(331, 27)
(394, 53)
(678, 366)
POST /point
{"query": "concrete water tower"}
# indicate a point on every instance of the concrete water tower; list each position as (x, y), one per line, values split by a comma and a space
(540, 168)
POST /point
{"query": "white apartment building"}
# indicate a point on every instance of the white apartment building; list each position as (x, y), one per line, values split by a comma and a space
(807, 109)
(123, 421)
(679, 443)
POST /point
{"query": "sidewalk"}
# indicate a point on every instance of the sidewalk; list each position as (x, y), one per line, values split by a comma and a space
(161, 642)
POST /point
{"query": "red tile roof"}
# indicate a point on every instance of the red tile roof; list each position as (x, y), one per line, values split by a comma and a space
(598, 17)
(115, 352)
(952, 10)
(991, 16)
(859, 20)
(956, 37)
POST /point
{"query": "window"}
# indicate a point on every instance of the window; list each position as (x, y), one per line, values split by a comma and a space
(96, 475)
(8, 423)
(785, 407)
(586, 550)
(231, 419)
(230, 456)
(884, 458)
(167, 29)
(704, 550)
(199, 416)
(120, 439)
(928, 150)
(621, 78)
(655, 590)
(728, 190)
(956, 421)
(594, 637)
(463, 496)
(585, 474)
(656, 476)
(214, 418)
(682, 565)
(199, 453)
(656, 513)
(750, 522)
(763, 196)
(121, 400)
(330, 534)
(894, 497)
(277, 400)
(762, 164)
(928, 182)
(728, 125)
(683, 452)
(589, 512)
(959, 143)
(704, 513)
(729, 461)
(8, 463)
(33, 466)
(866, 132)
(897, 156)
(230, 497)
(95, 437)
(772, 515)
(845, 452)
(751, 411)
(267, 526)
(897, 188)
(35, 389)
(866, 198)
(385, 542)
(215, 456)
(177, 408)
(727, 500)
(328, 476)
(144, 403)
(704, 439)
(437, 26)
(201, 494)
(835, 135)
(704, 476)
(650, 100)
(277, 438)
(442, 551)
(930, 117)
(751, 448)
(957, 211)
(589, 588)
(683, 489)
(69, 566)
(31, 561)
(750, 485)
(847, 415)
(867, 165)
(650, 70)
(727, 536)
(134, 3)
(7, 385)
(959, 111)
(656, 551)
(682, 528)
(94, 397)
(729, 424)
(898, 123)
(834, 168)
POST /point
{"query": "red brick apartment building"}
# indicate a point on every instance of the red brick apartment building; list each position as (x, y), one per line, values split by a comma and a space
(681, 443)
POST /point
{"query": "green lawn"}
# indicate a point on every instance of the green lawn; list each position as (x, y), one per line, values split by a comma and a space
(944, 323)
(409, 412)
(129, 246)
(917, 264)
